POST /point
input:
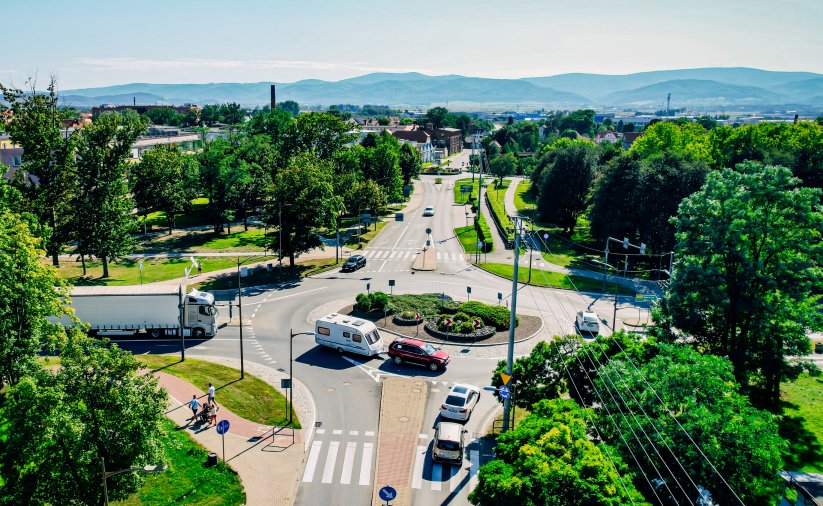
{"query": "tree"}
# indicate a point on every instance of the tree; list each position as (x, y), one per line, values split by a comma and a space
(61, 423)
(165, 179)
(613, 211)
(103, 218)
(747, 277)
(30, 291)
(689, 139)
(437, 116)
(223, 176)
(304, 194)
(320, 134)
(382, 165)
(48, 161)
(368, 195)
(165, 116)
(570, 169)
(262, 160)
(290, 106)
(503, 166)
(686, 399)
(410, 163)
(581, 121)
(549, 458)
(232, 113)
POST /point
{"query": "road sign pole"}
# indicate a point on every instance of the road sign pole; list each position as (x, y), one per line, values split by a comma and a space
(224, 446)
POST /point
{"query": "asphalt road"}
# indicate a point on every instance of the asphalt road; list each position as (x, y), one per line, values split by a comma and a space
(346, 389)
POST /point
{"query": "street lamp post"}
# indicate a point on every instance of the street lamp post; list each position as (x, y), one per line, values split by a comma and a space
(108, 474)
(181, 306)
(625, 242)
(240, 309)
(292, 335)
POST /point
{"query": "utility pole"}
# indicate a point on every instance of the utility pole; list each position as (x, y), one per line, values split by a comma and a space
(518, 227)
(240, 310)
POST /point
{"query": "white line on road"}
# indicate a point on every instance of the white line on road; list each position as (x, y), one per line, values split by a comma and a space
(336, 432)
(331, 458)
(354, 433)
(311, 464)
(369, 433)
(365, 464)
(381, 267)
(417, 475)
(348, 463)
(287, 296)
(392, 254)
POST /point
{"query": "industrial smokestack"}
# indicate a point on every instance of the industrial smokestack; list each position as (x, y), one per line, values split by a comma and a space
(134, 101)
(273, 101)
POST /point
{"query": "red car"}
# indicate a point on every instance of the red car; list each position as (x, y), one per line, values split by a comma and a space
(417, 352)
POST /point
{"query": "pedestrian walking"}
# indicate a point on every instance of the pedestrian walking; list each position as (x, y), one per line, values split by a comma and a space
(194, 404)
(199, 267)
(213, 414)
(211, 393)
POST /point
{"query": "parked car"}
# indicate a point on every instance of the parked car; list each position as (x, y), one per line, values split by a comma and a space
(448, 442)
(428, 211)
(587, 321)
(460, 402)
(417, 352)
(353, 263)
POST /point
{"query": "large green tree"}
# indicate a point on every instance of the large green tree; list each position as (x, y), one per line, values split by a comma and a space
(165, 179)
(61, 423)
(382, 165)
(103, 204)
(551, 459)
(30, 291)
(570, 169)
(613, 211)
(680, 400)
(48, 160)
(320, 134)
(223, 176)
(302, 201)
(503, 166)
(746, 282)
(410, 163)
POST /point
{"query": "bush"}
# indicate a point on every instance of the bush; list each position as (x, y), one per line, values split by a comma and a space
(427, 304)
(494, 316)
(438, 180)
(407, 315)
(363, 302)
(379, 301)
(464, 327)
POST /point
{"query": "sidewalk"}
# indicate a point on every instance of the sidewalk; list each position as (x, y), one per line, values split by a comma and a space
(267, 459)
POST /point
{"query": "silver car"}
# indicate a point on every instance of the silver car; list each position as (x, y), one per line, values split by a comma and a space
(587, 321)
(429, 211)
(460, 402)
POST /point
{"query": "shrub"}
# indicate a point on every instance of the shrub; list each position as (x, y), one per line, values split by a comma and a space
(495, 316)
(438, 180)
(427, 304)
(407, 315)
(379, 301)
(464, 327)
(363, 302)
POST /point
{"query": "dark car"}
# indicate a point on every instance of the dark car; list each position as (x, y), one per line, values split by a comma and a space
(353, 263)
(417, 352)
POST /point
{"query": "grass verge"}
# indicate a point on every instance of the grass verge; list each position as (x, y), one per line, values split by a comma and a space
(253, 239)
(196, 216)
(262, 276)
(250, 398)
(127, 271)
(187, 480)
(550, 279)
(802, 424)
(497, 199)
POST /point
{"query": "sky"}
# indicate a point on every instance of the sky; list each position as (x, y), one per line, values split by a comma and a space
(89, 43)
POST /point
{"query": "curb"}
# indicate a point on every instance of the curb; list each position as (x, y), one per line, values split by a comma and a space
(477, 266)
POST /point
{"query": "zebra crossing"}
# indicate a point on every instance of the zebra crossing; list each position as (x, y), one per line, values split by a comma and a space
(437, 476)
(322, 467)
(390, 254)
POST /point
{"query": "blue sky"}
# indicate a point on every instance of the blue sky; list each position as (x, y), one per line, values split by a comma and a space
(93, 42)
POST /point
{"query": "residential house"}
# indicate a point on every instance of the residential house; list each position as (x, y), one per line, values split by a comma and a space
(420, 139)
(450, 139)
(611, 136)
(143, 109)
(11, 156)
(629, 138)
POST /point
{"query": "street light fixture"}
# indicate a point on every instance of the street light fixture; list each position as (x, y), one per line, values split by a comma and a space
(292, 335)
(181, 307)
(240, 308)
(108, 474)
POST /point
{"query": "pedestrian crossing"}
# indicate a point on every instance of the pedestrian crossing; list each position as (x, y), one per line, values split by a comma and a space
(408, 255)
(438, 476)
(322, 463)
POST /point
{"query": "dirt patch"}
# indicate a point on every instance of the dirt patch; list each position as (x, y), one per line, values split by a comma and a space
(529, 325)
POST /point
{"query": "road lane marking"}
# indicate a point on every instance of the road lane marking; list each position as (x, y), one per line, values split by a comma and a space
(419, 460)
(320, 431)
(381, 267)
(287, 296)
(454, 481)
(311, 464)
(348, 463)
(369, 433)
(331, 458)
(354, 433)
(392, 254)
(365, 464)
(438, 255)
(336, 432)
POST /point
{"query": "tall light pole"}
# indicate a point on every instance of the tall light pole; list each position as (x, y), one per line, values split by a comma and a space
(626, 244)
(181, 307)
(240, 309)
(292, 335)
(518, 228)
(108, 474)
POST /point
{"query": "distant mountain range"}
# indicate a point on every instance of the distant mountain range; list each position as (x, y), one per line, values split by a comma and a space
(704, 88)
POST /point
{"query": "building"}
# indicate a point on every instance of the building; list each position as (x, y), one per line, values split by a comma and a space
(11, 156)
(420, 139)
(449, 138)
(165, 136)
(143, 109)
(611, 136)
(629, 138)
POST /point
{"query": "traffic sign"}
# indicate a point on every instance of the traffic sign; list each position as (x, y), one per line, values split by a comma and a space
(285, 383)
(505, 393)
(222, 426)
(428, 231)
(417, 316)
(505, 377)
(645, 297)
(366, 218)
(477, 324)
(465, 188)
(479, 244)
(387, 493)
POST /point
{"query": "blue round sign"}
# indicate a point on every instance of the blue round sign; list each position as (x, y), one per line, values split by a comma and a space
(504, 391)
(387, 493)
(222, 426)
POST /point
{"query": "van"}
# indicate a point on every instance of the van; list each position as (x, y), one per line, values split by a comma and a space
(346, 333)
(448, 442)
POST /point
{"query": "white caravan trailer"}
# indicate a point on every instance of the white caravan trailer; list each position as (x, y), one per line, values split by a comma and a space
(346, 333)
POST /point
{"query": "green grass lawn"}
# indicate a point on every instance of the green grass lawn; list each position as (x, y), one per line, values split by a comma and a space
(523, 201)
(127, 271)
(802, 424)
(362, 240)
(262, 276)
(497, 199)
(461, 197)
(253, 239)
(554, 279)
(468, 238)
(187, 480)
(196, 216)
(250, 398)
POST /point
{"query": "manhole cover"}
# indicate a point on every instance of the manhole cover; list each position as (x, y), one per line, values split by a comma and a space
(281, 369)
(404, 418)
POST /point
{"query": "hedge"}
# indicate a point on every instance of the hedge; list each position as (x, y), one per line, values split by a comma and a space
(427, 304)
(495, 316)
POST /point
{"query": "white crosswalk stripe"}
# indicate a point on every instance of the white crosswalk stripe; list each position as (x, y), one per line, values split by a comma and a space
(438, 255)
(392, 254)
(311, 464)
(419, 461)
(365, 464)
(348, 463)
(331, 458)
(345, 471)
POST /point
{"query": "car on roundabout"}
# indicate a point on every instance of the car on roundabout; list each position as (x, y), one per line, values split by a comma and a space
(460, 402)
(412, 351)
(353, 263)
(588, 321)
(449, 442)
(428, 211)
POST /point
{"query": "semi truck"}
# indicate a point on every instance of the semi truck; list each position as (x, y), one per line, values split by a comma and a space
(153, 309)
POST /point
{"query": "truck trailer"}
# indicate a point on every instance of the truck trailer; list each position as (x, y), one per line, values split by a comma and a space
(153, 309)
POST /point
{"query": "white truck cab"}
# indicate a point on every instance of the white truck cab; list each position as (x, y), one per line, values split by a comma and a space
(346, 333)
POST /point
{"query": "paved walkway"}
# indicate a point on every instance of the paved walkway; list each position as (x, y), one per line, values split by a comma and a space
(267, 459)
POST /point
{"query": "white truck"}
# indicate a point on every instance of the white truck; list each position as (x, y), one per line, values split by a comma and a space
(153, 309)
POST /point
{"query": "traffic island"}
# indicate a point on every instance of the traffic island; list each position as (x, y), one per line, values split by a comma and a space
(401, 416)
(426, 260)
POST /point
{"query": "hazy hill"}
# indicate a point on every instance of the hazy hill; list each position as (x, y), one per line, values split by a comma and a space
(705, 87)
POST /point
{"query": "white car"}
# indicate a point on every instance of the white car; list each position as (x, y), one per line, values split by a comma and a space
(429, 211)
(460, 402)
(587, 321)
